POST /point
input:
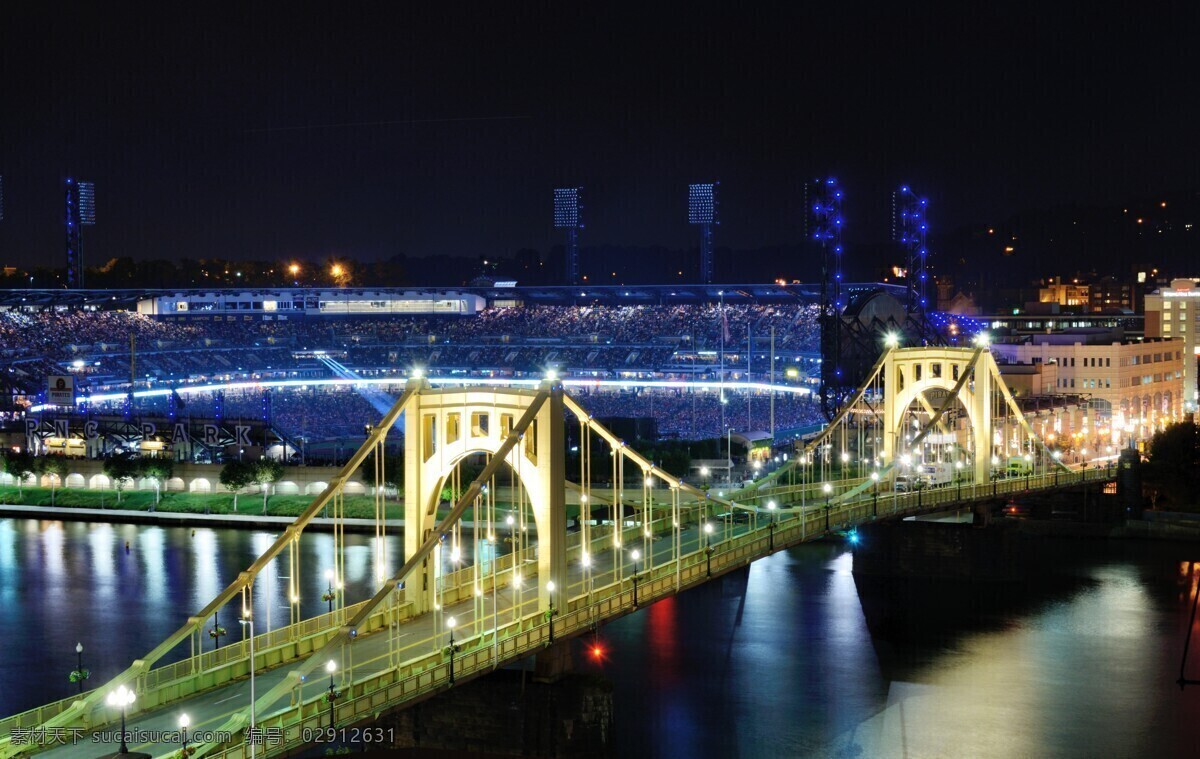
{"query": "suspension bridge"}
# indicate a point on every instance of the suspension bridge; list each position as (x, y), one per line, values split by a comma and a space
(508, 555)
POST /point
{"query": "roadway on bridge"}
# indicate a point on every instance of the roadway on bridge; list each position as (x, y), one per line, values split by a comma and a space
(210, 710)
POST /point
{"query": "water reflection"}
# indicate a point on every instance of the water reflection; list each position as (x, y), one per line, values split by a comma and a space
(66, 582)
(795, 656)
(784, 663)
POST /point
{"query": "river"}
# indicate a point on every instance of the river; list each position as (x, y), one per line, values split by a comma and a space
(784, 659)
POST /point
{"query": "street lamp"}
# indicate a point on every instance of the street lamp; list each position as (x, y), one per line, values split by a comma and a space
(708, 549)
(451, 623)
(1057, 456)
(329, 595)
(771, 526)
(332, 695)
(80, 674)
(184, 721)
(958, 477)
(635, 555)
(121, 698)
(550, 586)
(827, 489)
(1028, 469)
(246, 621)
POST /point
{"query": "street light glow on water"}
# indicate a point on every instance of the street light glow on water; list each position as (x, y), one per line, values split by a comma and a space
(793, 657)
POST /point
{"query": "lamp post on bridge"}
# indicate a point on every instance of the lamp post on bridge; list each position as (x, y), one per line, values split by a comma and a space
(827, 489)
(184, 721)
(635, 555)
(247, 622)
(79, 674)
(995, 473)
(216, 631)
(1057, 456)
(451, 623)
(1028, 469)
(333, 694)
(958, 476)
(708, 549)
(121, 698)
(329, 595)
(771, 526)
(551, 611)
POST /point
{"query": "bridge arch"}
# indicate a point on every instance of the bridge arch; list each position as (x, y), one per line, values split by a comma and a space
(910, 373)
(444, 426)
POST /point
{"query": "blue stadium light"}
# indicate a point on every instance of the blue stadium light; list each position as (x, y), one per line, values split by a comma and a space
(909, 229)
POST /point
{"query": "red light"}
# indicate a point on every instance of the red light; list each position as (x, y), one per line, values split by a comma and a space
(597, 651)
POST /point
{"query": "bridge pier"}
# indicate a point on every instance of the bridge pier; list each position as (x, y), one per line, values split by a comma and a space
(505, 715)
(981, 514)
(554, 662)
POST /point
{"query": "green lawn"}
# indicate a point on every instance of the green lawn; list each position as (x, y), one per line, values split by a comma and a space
(357, 506)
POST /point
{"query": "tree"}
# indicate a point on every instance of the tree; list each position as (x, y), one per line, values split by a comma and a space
(121, 469)
(1172, 468)
(266, 473)
(236, 476)
(159, 470)
(20, 465)
(55, 467)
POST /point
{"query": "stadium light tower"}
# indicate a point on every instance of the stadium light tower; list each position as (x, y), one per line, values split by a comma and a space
(909, 227)
(80, 212)
(567, 206)
(703, 211)
(825, 228)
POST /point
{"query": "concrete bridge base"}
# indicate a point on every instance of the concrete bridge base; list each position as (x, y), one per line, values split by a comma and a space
(552, 664)
(508, 714)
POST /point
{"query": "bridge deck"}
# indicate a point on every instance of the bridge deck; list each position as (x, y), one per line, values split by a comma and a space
(378, 681)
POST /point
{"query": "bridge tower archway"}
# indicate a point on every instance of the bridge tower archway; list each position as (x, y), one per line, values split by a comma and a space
(910, 373)
(444, 426)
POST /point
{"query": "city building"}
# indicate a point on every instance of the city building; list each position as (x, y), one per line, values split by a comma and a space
(1073, 294)
(1174, 312)
(1111, 295)
(1139, 382)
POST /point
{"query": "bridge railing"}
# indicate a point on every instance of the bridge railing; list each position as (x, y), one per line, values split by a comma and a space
(423, 676)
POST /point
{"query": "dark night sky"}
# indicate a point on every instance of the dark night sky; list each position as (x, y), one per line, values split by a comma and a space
(253, 135)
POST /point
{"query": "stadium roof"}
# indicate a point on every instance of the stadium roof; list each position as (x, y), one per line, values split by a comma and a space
(533, 295)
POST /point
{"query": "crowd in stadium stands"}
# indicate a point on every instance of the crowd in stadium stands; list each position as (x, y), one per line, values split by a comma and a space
(324, 413)
(63, 334)
(694, 416)
(590, 340)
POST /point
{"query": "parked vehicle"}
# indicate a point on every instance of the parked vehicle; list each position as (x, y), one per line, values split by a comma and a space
(1018, 467)
(936, 474)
